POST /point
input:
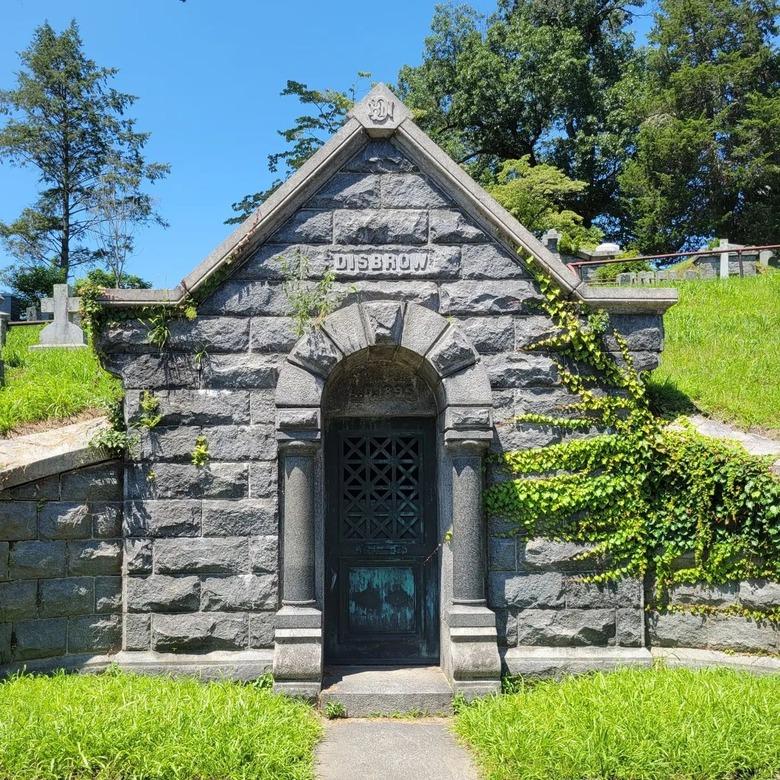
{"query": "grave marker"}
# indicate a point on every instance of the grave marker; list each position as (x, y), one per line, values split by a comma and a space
(61, 332)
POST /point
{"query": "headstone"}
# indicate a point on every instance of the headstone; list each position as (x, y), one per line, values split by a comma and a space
(646, 277)
(624, 278)
(61, 332)
(723, 243)
(550, 239)
(691, 274)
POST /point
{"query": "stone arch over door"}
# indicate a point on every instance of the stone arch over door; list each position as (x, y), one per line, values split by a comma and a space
(443, 356)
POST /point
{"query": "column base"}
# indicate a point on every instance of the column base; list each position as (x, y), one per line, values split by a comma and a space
(297, 666)
(475, 664)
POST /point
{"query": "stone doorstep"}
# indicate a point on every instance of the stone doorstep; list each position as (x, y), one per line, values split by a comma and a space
(385, 690)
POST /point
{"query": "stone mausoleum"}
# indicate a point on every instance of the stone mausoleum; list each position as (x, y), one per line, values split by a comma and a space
(339, 519)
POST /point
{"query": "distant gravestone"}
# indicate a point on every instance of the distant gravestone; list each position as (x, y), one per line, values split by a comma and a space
(61, 332)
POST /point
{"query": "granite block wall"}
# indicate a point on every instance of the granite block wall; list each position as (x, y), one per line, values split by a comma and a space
(202, 552)
(60, 565)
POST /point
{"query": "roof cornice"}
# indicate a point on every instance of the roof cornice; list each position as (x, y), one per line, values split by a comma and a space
(382, 115)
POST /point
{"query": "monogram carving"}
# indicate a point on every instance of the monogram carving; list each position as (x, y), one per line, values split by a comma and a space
(380, 109)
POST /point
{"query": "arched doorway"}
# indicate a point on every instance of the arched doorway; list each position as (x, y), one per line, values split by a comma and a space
(381, 539)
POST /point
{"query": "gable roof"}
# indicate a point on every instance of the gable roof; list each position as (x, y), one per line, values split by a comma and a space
(382, 115)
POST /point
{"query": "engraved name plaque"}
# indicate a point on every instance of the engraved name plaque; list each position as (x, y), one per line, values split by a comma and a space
(381, 262)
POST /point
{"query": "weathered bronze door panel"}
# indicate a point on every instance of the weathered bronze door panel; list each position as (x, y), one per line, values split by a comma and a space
(381, 591)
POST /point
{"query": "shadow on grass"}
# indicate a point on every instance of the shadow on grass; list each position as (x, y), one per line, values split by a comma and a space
(667, 400)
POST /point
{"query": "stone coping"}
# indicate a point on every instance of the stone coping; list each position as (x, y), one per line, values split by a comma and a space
(42, 454)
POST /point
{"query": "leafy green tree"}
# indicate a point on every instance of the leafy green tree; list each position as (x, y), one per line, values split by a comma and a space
(540, 78)
(537, 195)
(328, 112)
(109, 279)
(30, 284)
(707, 156)
(68, 123)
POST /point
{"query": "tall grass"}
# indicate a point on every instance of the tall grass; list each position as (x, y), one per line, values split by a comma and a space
(652, 724)
(49, 384)
(722, 350)
(116, 725)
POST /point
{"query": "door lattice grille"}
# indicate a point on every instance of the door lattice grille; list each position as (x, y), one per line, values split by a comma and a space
(380, 488)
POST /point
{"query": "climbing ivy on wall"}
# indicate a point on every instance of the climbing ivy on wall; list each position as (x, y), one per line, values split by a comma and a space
(643, 496)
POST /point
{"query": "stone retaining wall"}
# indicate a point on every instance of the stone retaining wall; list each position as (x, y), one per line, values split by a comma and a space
(60, 565)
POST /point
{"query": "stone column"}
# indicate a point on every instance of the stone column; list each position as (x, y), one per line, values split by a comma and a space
(297, 663)
(475, 665)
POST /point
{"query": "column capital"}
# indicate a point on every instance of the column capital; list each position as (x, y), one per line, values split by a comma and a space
(299, 445)
(471, 445)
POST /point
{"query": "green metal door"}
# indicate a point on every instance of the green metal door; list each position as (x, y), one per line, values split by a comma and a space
(381, 592)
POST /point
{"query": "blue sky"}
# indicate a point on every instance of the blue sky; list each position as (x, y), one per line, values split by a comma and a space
(208, 75)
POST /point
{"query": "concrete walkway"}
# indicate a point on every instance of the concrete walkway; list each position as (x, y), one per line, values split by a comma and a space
(390, 749)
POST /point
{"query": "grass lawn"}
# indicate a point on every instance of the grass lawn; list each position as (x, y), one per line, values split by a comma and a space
(49, 384)
(651, 724)
(722, 351)
(116, 725)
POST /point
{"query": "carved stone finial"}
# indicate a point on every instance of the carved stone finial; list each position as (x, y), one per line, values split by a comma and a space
(380, 112)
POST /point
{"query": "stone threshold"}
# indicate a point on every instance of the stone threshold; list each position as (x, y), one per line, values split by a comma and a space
(366, 691)
(536, 661)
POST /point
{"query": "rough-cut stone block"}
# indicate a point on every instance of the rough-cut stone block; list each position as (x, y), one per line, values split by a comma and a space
(421, 329)
(306, 226)
(4, 548)
(642, 361)
(239, 594)
(98, 556)
(520, 436)
(565, 627)
(199, 632)
(179, 480)
(759, 594)
(68, 596)
(450, 226)
(94, 634)
(643, 332)
(517, 369)
(543, 400)
(225, 442)
(272, 334)
(531, 328)
(162, 518)
(137, 631)
(154, 371)
(298, 387)
(489, 261)
(379, 156)
(469, 387)
(315, 352)
(452, 352)
(673, 629)
(108, 594)
(502, 554)
(247, 298)
(709, 595)
(384, 322)
(106, 520)
(262, 408)
(263, 478)
(102, 482)
(40, 638)
(204, 407)
(423, 293)
(138, 556)
(589, 595)
(271, 261)
(410, 191)
(214, 334)
(526, 590)
(630, 627)
(741, 635)
(469, 297)
(18, 600)
(247, 517)
(346, 329)
(225, 480)
(47, 489)
(5, 643)
(541, 553)
(373, 226)
(64, 520)
(261, 630)
(204, 556)
(347, 190)
(241, 371)
(264, 554)
(159, 593)
(489, 334)
(17, 520)
(29, 560)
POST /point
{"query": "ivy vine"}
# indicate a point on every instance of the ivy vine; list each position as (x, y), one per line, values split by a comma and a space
(641, 495)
